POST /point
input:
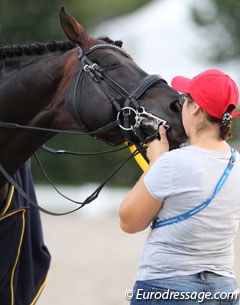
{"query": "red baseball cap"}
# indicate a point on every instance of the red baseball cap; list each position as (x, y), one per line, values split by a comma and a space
(212, 89)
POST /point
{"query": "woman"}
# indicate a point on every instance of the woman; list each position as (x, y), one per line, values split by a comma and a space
(192, 196)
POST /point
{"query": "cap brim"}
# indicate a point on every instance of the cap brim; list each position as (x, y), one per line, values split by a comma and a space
(182, 84)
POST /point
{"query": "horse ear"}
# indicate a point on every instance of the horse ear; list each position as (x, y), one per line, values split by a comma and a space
(72, 29)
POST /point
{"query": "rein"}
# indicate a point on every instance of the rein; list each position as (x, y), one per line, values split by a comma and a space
(89, 199)
(76, 153)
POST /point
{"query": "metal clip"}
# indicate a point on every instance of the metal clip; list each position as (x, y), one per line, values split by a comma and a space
(97, 70)
(88, 69)
(158, 121)
(125, 116)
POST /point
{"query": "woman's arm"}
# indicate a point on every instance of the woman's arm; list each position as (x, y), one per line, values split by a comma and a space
(139, 208)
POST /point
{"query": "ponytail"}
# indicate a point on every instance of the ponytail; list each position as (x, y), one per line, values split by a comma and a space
(225, 124)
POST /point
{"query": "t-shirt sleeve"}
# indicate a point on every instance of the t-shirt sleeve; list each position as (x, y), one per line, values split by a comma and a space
(158, 180)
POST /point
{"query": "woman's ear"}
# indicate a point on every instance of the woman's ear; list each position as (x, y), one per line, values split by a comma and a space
(195, 108)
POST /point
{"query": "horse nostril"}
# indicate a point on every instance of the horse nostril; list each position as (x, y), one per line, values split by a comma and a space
(175, 107)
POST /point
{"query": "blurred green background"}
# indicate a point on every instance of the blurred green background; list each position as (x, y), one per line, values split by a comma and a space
(31, 21)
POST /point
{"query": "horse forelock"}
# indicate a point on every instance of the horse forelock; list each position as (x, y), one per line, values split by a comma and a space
(17, 50)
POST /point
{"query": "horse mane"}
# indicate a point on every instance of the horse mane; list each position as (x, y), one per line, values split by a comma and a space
(35, 48)
(40, 48)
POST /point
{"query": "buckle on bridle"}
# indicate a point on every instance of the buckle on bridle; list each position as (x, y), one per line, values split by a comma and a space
(94, 71)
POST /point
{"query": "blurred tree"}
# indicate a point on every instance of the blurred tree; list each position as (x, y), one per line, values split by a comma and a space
(220, 22)
(30, 21)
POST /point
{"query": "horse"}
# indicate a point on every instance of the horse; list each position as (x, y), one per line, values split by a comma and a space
(83, 84)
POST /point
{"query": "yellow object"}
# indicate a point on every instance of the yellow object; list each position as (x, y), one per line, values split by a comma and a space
(139, 158)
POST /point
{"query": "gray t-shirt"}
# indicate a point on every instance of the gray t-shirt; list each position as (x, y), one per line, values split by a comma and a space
(183, 179)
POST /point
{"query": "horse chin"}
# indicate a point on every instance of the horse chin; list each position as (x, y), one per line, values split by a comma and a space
(111, 140)
(176, 138)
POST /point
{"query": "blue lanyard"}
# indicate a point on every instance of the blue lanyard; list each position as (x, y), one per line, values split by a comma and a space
(168, 221)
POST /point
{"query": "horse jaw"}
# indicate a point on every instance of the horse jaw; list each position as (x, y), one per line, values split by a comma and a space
(74, 31)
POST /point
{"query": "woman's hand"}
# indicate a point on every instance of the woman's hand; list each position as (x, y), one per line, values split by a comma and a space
(157, 147)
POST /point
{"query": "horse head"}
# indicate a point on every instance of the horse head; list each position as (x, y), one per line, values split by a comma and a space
(85, 84)
(110, 87)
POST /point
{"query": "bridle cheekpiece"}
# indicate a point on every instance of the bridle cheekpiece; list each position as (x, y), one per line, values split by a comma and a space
(131, 117)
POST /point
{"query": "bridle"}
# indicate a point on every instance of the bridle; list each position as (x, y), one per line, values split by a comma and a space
(129, 118)
(130, 115)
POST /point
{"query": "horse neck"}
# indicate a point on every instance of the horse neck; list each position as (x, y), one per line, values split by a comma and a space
(30, 95)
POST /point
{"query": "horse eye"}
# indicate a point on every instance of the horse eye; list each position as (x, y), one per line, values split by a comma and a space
(109, 61)
(110, 64)
(96, 61)
(175, 106)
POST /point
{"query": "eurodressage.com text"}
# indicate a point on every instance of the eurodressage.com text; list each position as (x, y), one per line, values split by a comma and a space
(175, 295)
